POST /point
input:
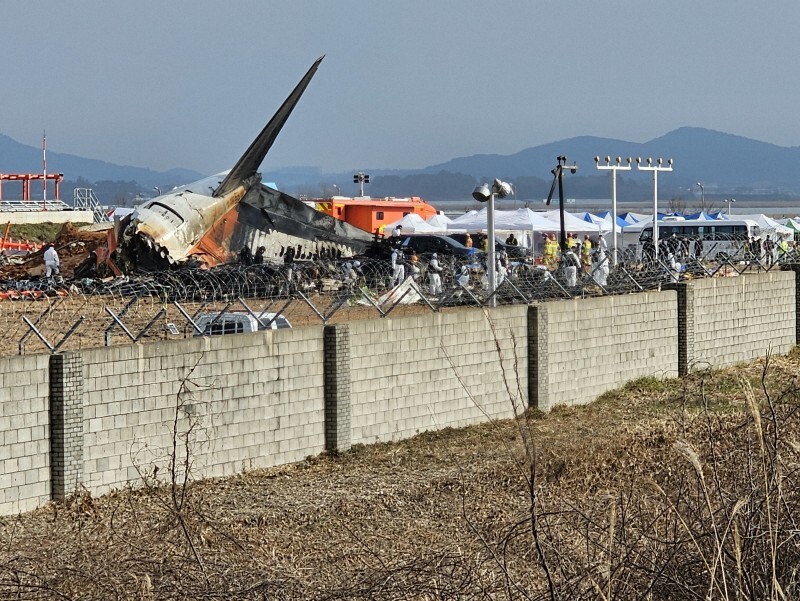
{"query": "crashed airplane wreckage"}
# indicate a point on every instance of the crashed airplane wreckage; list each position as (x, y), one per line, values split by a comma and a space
(206, 223)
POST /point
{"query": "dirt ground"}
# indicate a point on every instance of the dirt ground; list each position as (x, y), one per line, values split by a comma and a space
(54, 317)
(73, 246)
(618, 500)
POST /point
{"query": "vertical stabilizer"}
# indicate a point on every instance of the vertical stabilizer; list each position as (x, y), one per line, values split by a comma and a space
(251, 160)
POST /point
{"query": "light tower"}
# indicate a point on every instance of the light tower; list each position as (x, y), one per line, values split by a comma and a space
(614, 168)
(361, 178)
(655, 169)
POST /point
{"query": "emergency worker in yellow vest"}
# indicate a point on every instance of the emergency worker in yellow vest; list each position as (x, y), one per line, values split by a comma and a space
(552, 254)
(586, 254)
(572, 242)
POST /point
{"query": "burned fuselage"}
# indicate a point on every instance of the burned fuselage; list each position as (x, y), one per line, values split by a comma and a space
(209, 221)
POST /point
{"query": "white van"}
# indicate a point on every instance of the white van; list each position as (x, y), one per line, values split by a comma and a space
(237, 322)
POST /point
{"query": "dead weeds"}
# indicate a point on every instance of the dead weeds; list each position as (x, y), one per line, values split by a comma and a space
(676, 489)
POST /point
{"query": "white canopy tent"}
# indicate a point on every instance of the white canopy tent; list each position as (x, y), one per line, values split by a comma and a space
(528, 224)
(576, 224)
(519, 220)
(439, 221)
(767, 225)
(412, 224)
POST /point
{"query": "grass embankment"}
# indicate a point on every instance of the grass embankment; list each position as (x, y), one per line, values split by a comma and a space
(39, 232)
(664, 489)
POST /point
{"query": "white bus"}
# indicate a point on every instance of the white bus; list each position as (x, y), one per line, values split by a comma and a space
(709, 240)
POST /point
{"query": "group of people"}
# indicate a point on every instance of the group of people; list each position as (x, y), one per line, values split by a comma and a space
(767, 250)
(246, 256)
(434, 270)
(587, 256)
(480, 241)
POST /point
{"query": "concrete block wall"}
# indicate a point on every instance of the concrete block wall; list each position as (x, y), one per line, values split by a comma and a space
(582, 348)
(103, 417)
(403, 383)
(741, 318)
(24, 433)
(250, 400)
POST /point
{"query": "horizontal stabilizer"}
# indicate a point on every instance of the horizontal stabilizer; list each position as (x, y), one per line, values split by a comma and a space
(251, 160)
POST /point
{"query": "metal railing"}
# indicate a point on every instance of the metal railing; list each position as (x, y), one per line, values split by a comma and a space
(33, 205)
(83, 199)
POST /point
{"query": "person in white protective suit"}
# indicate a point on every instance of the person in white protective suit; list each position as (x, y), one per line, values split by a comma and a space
(51, 261)
(674, 267)
(601, 267)
(398, 269)
(434, 277)
(571, 264)
(462, 277)
(351, 271)
(503, 265)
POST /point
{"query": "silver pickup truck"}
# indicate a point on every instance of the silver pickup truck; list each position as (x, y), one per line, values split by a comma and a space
(238, 322)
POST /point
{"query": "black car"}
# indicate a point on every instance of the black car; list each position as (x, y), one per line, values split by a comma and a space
(434, 243)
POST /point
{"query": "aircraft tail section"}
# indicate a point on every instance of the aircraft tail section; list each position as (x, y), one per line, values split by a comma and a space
(251, 160)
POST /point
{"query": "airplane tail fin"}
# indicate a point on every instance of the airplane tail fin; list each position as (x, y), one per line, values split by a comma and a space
(251, 160)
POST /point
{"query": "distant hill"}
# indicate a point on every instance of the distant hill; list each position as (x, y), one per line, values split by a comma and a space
(727, 165)
(723, 162)
(20, 158)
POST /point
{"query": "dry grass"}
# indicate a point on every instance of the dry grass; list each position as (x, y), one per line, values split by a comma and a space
(674, 489)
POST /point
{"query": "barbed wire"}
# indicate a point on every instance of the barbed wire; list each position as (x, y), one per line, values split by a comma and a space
(44, 315)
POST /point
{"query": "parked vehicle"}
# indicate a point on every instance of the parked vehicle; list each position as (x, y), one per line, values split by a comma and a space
(435, 243)
(708, 239)
(238, 322)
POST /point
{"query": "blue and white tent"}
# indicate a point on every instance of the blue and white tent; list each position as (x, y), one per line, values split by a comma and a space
(703, 216)
(606, 216)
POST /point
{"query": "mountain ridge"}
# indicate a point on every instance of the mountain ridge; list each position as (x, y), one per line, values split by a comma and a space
(725, 163)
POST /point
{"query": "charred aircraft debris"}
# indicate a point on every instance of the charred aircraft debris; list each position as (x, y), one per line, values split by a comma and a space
(206, 223)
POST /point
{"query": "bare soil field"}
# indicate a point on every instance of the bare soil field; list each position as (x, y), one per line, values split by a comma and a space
(674, 489)
(54, 317)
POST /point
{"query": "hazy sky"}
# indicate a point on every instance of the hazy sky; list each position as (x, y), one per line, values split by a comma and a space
(189, 83)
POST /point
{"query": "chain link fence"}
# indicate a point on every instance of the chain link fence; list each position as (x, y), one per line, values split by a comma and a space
(42, 316)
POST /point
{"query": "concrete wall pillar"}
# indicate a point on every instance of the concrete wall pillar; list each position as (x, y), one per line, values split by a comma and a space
(538, 353)
(795, 267)
(686, 323)
(336, 350)
(66, 424)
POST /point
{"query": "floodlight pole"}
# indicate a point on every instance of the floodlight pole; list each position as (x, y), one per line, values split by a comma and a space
(484, 193)
(562, 234)
(613, 168)
(655, 169)
(558, 176)
(490, 260)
